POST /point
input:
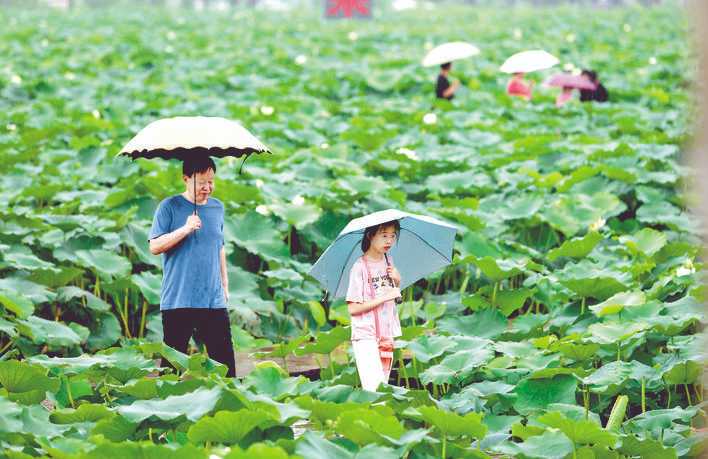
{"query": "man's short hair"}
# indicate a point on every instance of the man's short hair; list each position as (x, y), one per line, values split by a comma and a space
(198, 164)
(446, 65)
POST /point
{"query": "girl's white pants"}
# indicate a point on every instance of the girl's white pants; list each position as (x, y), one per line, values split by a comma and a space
(368, 364)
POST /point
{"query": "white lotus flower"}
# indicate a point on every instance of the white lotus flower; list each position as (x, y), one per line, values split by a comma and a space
(71, 76)
(259, 183)
(11, 127)
(45, 43)
(410, 154)
(686, 269)
(298, 200)
(324, 145)
(430, 118)
(400, 5)
(627, 28)
(263, 210)
(353, 36)
(568, 67)
(518, 34)
(267, 110)
(16, 79)
(171, 35)
(96, 114)
(652, 60)
(597, 224)
(570, 38)
(169, 49)
(301, 59)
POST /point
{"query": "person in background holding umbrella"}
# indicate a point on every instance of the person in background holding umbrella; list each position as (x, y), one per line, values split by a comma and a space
(599, 94)
(443, 55)
(373, 288)
(195, 286)
(518, 87)
(522, 63)
(443, 88)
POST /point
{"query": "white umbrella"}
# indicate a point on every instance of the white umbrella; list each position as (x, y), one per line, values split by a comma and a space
(185, 137)
(181, 136)
(529, 61)
(449, 52)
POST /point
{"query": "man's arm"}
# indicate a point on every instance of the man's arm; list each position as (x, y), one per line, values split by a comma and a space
(168, 241)
(224, 273)
(451, 89)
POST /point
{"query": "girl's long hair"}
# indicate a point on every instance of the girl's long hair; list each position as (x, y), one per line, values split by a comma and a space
(372, 230)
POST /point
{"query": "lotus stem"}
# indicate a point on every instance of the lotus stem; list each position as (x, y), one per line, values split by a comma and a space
(97, 286)
(644, 396)
(494, 294)
(688, 394)
(444, 446)
(465, 281)
(402, 367)
(68, 392)
(141, 332)
(582, 306)
(6, 346)
(331, 364)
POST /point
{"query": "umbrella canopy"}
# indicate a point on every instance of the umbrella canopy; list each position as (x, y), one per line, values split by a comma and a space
(449, 52)
(529, 61)
(185, 136)
(566, 80)
(424, 246)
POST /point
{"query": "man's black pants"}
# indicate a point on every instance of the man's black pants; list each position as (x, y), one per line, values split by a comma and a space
(212, 328)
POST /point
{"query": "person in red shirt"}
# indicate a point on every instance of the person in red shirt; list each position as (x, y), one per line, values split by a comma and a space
(518, 87)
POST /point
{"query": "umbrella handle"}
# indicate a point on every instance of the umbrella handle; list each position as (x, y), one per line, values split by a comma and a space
(398, 299)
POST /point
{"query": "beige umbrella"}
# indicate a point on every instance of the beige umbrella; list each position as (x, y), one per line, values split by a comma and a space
(529, 61)
(184, 137)
(448, 52)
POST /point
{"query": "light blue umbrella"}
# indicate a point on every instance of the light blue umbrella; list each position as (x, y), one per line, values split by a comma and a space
(424, 246)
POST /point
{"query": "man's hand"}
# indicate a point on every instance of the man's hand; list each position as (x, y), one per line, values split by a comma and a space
(456, 84)
(192, 224)
(226, 294)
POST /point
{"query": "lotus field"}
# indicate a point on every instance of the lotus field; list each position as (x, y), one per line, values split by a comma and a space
(567, 325)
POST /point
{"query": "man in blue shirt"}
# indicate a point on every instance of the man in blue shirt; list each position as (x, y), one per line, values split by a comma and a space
(195, 284)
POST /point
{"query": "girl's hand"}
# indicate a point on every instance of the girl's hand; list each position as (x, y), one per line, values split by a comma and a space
(395, 275)
(390, 294)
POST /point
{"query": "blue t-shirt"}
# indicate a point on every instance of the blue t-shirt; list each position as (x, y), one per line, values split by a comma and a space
(191, 269)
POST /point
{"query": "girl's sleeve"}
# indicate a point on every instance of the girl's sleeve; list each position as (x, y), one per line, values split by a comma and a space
(355, 292)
